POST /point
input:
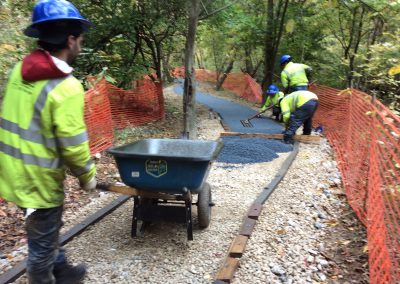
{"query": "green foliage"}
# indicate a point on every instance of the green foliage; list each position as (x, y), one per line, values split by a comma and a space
(13, 45)
(343, 41)
(232, 33)
(381, 57)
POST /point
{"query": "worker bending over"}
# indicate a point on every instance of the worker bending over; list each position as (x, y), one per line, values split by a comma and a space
(298, 108)
(273, 96)
(43, 132)
(294, 76)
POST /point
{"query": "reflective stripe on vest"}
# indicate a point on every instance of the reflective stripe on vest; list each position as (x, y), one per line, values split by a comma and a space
(32, 134)
(30, 159)
(35, 136)
(84, 169)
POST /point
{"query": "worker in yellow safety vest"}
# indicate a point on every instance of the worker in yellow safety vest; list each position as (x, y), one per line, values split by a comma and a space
(298, 109)
(273, 96)
(294, 76)
(42, 132)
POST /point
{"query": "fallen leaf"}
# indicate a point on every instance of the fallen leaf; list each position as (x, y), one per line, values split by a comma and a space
(344, 242)
(281, 232)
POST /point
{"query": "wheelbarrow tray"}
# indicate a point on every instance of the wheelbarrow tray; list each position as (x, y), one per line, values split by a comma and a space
(170, 166)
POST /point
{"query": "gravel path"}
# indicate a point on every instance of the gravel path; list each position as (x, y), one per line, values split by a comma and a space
(288, 239)
(286, 247)
(162, 254)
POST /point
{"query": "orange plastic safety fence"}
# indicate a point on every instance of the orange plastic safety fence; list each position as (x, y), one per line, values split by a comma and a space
(366, 135)
(98, 119)
(241, 84)
(108, 107)
(136, 107)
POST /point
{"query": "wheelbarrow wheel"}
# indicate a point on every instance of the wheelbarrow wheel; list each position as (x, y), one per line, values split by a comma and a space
(204, 206)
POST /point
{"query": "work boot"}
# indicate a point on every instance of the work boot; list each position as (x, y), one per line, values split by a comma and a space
(287, 140)
(69, 274)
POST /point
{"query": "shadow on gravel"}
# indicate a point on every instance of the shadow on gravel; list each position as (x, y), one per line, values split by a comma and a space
(251, 150)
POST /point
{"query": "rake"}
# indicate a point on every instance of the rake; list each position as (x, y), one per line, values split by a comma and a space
(247, 123)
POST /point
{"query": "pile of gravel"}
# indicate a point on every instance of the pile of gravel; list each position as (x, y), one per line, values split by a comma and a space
(251, 150)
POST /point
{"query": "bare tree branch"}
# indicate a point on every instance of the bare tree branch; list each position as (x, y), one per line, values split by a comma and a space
(218, 10)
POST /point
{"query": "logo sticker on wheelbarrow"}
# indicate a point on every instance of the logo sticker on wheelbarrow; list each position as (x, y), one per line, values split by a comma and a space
(156, 168)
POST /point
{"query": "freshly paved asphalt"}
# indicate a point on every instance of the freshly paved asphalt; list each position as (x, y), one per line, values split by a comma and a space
(243, 150)
(232, 113)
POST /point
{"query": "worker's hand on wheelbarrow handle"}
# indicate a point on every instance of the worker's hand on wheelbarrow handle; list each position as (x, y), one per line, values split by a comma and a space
(103, 186)
(90, 185)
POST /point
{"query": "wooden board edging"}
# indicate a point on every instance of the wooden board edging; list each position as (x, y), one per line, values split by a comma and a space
(301, 138)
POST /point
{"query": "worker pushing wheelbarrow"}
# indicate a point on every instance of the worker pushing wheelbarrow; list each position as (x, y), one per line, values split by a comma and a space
(162, 175)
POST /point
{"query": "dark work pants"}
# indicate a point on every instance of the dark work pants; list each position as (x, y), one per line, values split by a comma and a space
(276, 111)
(303, 115)
(298, 88)
(44, 254)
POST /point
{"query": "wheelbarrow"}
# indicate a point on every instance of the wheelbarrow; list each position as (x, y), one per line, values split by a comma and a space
(162, 175)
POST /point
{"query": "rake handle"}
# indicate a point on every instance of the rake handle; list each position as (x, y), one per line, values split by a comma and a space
(259, 113)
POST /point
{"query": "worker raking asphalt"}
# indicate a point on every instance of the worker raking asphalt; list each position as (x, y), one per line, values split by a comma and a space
(243, 150)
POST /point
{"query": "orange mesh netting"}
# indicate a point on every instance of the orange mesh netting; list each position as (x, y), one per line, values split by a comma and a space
(243, 85)
(135, 107)
(98, 119)
(365, 136)
(108, 107)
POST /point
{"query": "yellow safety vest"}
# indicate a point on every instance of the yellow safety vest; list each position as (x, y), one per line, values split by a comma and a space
(293, 101)
(42, 132)
(272, 100)
(294, 74)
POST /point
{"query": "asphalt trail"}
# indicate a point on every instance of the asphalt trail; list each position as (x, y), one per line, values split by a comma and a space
(243, 150)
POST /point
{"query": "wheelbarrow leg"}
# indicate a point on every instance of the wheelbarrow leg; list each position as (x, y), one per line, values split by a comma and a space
(189, 226)
(135, 216)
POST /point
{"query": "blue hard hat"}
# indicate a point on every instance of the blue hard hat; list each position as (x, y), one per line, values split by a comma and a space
(272, 89)
(285, 58)
(54, 10)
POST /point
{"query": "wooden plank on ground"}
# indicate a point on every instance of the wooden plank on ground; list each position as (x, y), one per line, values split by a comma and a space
(300, 138)
(254, 211)
(13, 274)
(228, 270)
(279, 175)
(238, 246)
(247, 227)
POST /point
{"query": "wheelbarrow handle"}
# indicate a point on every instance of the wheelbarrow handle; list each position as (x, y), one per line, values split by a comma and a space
(127, 190)
(103, 186)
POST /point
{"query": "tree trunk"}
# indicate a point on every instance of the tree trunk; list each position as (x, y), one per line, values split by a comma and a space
(189, 88)
(199, 61)
(248, 61)
(222, 78)
(275, 24)
(253, 75)
(269, 56)
(157, 60)
(166, 69)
